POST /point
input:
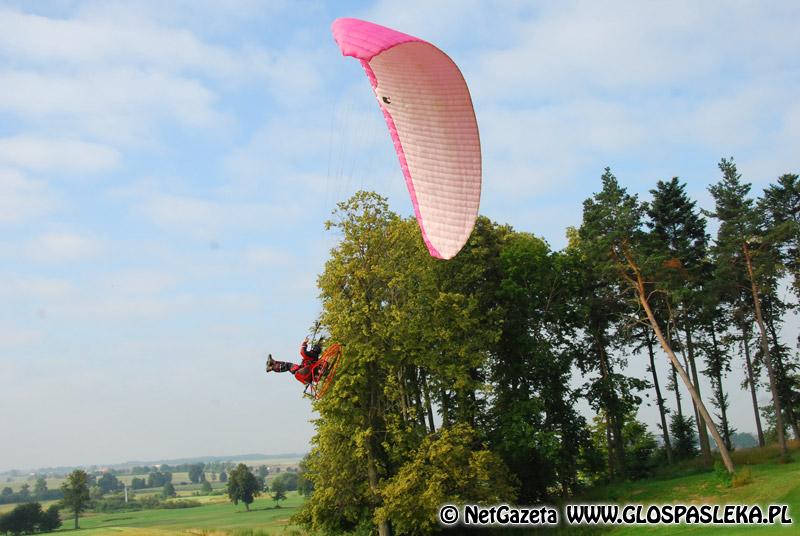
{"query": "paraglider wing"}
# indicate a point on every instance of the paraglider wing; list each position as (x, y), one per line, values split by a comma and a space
(429, 112)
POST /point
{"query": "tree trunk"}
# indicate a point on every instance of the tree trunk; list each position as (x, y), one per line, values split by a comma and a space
(674, 372)
(677, 390)
(642, 296)
(445, 406)
(661, 411)
(76, 520)
(773, 385)
(614, 437)
(612, 473)
(752, 382)
(788, 408)
(374, 450)
(705, 447)
(420, 409)
(426, 393)
(401, 382)
(720, 393)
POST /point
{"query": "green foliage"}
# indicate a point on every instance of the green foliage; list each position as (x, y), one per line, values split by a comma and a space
(446, 468)
(640, 449)
(416, 333)
(40, 488)
(278, 489)
(24, 492)
(168, 491)
(29, 518)
(243, 486)
(51, 519)
(108, 483)
(263, 471)
(288, 480)
(116, 503)
(535, 427)
(183, 503)
(684, 443)
(490, 341)
(196, 474)
(721, 474)
(76, 493)
(744, 440)
(742, 477)
(206, 487)
(23, 519)
(157, 479)
(304, 485)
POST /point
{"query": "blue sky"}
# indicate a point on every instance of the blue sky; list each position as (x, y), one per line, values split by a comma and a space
(166, 169)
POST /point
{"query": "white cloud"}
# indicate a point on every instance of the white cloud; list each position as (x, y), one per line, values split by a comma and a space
(114, 103)
(63, 246)
(100, 42)
(207, 220)
(136, 281)
(62, 155)
(23, 199)
(32, 288)
(267, 257)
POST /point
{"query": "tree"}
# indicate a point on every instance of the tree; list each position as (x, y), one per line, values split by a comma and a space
(742, 244)
(640, 448)
(417, 335)
(289, 481)
(40, 488)
(781, 204)
(23, 519)
(243, 486)
(196, 474)
(263, 471)
(223, 476)
(76, 493)
(534, 426)
(683, 437)
(168, 491)
(304, 486)
(678, 236)
(50, 519)
(108, 483)
(206, 487)
(278, 492)
(157, 479)
(445, 469)
(357, 300)
(611, 232)
(601, 306)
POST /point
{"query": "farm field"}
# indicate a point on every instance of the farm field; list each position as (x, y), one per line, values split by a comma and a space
(180, 479)
(218, 515)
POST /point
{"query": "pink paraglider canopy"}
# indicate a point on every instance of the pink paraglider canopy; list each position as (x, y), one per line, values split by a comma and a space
(428, 109)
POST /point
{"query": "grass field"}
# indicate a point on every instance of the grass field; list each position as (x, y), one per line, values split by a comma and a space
(216, 516)
(772, 483)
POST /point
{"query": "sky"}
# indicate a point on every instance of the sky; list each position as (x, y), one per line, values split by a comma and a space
(166, 169)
